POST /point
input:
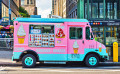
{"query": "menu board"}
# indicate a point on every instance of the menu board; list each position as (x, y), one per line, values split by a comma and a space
(41, 40)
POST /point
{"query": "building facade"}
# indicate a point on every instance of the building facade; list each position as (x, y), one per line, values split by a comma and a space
(54, 7)
(104, 18)
(30, 6)
(59, 8)
(4, 8)
(64, 8)
(71, 8)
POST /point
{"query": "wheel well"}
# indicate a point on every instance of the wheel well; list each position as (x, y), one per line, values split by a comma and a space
(29, 52)
(92, 53)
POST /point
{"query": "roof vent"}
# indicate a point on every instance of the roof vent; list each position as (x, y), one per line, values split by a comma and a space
(55, 16)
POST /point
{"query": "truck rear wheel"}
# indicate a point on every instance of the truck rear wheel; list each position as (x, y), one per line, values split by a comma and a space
(28, 61)
(92, 60)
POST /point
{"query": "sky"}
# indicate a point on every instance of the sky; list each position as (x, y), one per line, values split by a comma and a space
(44, 7)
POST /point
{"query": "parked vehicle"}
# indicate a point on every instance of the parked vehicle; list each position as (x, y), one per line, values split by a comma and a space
(58, 40)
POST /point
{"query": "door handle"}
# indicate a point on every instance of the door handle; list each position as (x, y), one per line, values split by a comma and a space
(83, 41)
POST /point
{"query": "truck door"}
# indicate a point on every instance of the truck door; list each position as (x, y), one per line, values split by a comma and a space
(75, 43)
(90, 43)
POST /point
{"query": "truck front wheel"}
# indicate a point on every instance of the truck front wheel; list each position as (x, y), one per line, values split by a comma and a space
(28, 61)
(92, 60)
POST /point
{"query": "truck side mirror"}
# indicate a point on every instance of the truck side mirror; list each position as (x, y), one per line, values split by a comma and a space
(91, 37)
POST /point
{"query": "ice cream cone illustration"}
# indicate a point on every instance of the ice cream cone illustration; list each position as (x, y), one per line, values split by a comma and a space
(21, 34)
(60, 34)
(75, 47)
(100, 48)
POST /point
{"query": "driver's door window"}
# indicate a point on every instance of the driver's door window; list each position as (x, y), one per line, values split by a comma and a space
(75, 33)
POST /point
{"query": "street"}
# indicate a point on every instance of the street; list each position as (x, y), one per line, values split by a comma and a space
(60, 69)
(7, 68)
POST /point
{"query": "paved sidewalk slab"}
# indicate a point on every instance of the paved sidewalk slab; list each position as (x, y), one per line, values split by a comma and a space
(8, 62)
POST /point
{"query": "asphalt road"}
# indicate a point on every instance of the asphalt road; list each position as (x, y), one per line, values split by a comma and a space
(61, 69)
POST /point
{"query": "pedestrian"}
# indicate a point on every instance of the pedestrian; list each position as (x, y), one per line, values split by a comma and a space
(3, 35)
(7, 36)
(0, 35)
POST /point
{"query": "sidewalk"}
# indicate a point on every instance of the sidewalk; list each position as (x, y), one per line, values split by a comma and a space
(6, 59)
(8, 62)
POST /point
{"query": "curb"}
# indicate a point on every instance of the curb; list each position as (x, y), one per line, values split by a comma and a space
(9, 64)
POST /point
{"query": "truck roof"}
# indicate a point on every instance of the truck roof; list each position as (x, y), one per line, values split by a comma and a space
(49, 20)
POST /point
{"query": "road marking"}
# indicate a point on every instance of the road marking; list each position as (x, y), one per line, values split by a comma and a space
(2, 68)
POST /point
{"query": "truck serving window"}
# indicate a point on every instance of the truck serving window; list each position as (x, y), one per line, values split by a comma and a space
(41, 36)
(75, 33)
(88, 33)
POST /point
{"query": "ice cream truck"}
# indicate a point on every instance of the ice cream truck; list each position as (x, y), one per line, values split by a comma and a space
(56, 40)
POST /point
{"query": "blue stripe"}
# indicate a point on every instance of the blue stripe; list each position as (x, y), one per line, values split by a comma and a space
(16, 55)
(64, 57)
(49, 20)
(52, 57)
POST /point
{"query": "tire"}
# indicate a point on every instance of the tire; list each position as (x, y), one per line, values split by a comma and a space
(92, 60)
(28, 61)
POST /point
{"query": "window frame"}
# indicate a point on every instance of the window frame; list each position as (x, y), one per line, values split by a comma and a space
(42, 34)
(75, 33)
(41, 27)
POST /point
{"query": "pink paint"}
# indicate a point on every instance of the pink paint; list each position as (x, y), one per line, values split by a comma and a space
(64, 44)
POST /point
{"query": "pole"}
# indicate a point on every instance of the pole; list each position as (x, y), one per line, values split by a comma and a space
(80, 9)
(9, 12)
(104, 8)
(88, 9)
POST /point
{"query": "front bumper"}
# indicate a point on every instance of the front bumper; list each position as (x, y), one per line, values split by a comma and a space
(104, 58)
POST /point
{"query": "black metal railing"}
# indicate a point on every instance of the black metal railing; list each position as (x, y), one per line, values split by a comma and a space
(6, 43)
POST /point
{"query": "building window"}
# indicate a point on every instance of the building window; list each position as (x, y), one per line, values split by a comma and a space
(27, 1)
(112, 35)
(115, 10)
(31, 1)
(95, 10)
(22, 2)
(101, 11)
(112, 10)
(86, 10)
(90, 10)
(98, 33)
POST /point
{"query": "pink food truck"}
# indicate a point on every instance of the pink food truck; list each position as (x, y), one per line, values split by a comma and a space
(56, 40)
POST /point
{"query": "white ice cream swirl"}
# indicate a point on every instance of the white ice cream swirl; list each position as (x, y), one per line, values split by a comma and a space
(75, 45)
(21, 31)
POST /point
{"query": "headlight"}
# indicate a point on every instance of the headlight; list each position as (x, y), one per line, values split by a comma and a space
(106, 51)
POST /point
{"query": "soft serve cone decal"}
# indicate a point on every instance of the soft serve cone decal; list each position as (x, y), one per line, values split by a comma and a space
(21, 34)
(75, 47)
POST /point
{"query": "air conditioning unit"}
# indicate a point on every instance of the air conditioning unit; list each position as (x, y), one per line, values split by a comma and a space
(55, 16)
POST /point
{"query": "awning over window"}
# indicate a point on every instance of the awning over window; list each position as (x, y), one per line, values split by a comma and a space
(7, 27)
